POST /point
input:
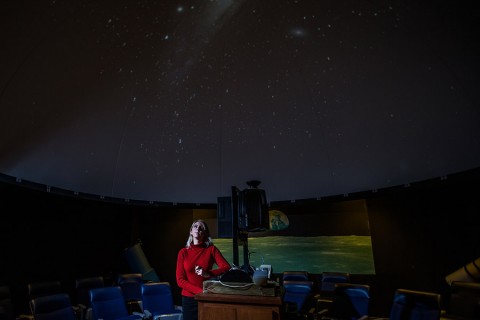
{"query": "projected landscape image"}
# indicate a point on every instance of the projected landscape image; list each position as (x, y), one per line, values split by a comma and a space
(315, 254)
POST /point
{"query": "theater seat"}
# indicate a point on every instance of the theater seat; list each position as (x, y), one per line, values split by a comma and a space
(295, 296)
(82, 291)
(415, 305)
(350, 301)
(52, 307)
(157, 299)
(131, 285)
(108, 303)
(463, 301)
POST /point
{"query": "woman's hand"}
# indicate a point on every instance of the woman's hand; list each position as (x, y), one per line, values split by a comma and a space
(199, 270)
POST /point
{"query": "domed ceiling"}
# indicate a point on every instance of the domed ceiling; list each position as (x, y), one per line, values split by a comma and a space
(181, 100)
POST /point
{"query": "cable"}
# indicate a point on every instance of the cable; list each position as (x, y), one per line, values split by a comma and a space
(242, 286)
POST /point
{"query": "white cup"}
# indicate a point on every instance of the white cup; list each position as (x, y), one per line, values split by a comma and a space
(260, 277)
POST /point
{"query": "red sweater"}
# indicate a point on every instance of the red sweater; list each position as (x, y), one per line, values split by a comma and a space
(198, 255)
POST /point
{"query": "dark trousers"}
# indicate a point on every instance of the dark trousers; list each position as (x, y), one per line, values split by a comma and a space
(190, 308)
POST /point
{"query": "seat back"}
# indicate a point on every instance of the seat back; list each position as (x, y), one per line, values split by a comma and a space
(52, 307)
(415, 305)
(131, 285)
(295, 294)
(6, 303)
(326, 286)
(83, 286)
(350, 301)
(328, 281)
(43, 288)
(157, 298)
(82, 295)
(108, 303)
(295, 276)
(464, 300)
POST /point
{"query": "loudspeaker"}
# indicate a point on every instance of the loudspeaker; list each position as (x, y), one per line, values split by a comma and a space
(253, 208)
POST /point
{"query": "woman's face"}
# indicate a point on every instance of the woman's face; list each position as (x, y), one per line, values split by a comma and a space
(198, 230)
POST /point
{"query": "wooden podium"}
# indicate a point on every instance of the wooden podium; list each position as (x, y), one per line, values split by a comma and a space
(218, 306)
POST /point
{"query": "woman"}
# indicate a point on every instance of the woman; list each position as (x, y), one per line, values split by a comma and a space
(194, 265)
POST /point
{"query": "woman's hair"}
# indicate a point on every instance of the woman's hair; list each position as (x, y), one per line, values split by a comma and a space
(208, 240)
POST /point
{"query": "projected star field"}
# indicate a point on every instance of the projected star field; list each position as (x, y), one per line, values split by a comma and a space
(178, 101)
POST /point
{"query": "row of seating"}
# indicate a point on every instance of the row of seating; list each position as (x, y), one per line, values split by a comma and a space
(109, 303)
(157, 302)
(339, 299)
(301, 297)
(93, 299)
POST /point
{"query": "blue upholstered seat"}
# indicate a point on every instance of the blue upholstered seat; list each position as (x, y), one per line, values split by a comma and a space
(296, 294)
(52, 307)
(350, 301)
(415, 305)
(157, 299)
(108, 303)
